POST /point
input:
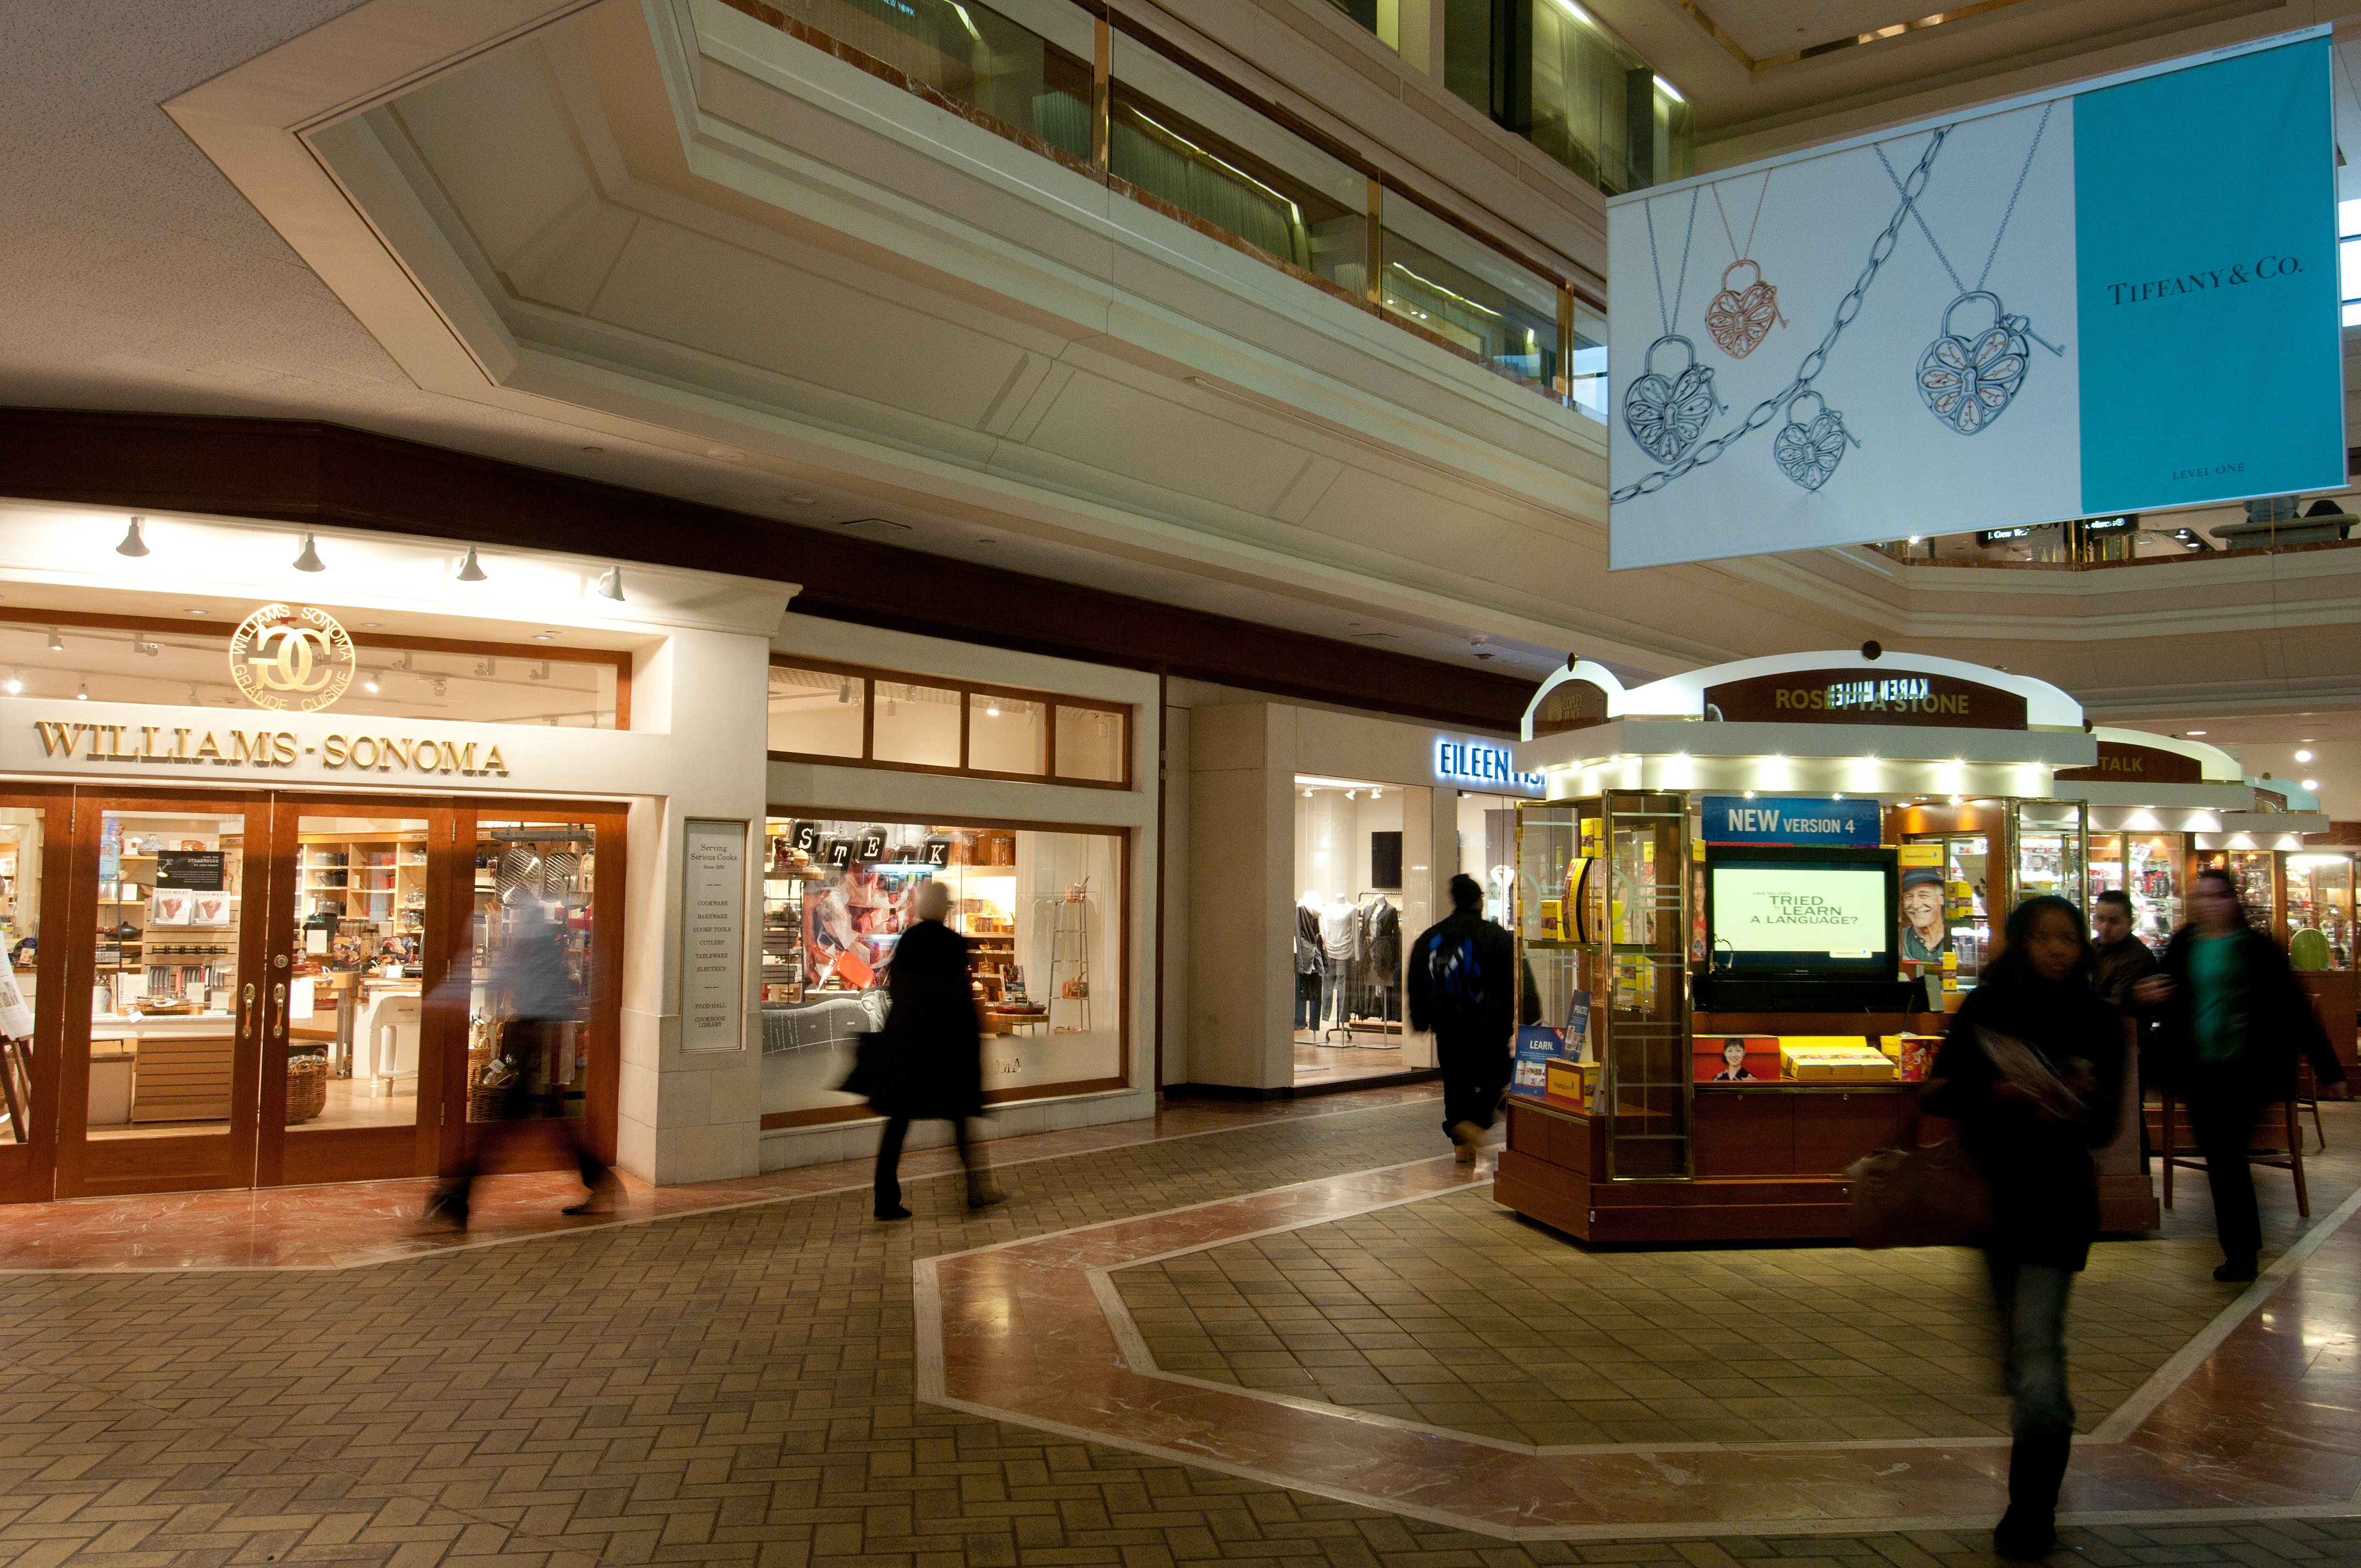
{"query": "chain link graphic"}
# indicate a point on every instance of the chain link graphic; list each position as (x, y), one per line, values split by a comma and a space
(1816, 360)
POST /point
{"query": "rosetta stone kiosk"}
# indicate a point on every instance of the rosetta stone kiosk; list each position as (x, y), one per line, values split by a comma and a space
(1748, 900)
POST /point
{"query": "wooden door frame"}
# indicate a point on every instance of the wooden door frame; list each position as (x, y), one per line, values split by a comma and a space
(142, 1165)
(29, 1169)
(544, 1145)
(355, 1153)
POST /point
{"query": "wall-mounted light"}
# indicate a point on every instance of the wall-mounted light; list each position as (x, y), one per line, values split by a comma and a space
(133, 545)
(308, 558)
(469, 571)
(611, 585)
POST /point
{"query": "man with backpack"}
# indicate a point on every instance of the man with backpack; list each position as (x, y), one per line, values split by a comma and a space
(1462, 987)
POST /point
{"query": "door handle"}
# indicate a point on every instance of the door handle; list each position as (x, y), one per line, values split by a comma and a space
(279, 997)
(245, 1009)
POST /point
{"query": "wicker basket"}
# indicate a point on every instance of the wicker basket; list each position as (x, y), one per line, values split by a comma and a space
(307, 1088)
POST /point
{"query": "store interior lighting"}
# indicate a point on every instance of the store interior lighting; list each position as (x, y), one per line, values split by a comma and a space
(56, 643)
(133, 545)
(16, 682)
(611, 585)
(81, 689)
(308, 558)
(2303, 756)
(369, 681)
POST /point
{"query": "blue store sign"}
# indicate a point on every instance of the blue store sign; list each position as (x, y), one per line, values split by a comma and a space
(1791, 819)
(1490, 767)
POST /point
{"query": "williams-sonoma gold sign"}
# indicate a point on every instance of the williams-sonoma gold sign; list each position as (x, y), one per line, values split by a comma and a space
(188, 746)
(287, 656)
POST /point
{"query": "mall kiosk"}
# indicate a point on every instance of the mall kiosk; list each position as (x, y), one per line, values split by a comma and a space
(1745, 900)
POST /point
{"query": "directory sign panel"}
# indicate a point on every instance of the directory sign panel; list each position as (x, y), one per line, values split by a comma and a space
(2114, 298)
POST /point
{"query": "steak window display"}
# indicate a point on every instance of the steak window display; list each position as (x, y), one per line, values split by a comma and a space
(1041, 911)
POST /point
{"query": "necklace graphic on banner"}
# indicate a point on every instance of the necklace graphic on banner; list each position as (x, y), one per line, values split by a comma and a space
(1666, 414)
(1808, 454)
(1738, 321)
(1969, 382)
(1813, 364)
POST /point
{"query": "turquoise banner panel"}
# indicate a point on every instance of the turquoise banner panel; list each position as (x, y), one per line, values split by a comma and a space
(2206, 264)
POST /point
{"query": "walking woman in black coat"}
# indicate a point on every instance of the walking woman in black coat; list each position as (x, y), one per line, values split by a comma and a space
(933, 1053)
(2032, 1069)
(2234, 1021)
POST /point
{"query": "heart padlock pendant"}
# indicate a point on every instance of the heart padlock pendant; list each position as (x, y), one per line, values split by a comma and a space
(1739, 322)
(1808, 454)
(1968, 383)
(1666, 414)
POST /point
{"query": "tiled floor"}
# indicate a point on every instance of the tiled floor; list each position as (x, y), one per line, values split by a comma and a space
(1456, 1313)
(743, 1385)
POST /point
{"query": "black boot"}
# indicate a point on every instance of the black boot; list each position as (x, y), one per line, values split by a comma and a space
(2036, 1467)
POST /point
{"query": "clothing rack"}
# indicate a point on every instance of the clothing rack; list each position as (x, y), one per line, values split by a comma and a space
(1361, 999)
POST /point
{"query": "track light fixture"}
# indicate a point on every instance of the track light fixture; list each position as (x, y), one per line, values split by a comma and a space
(81, 689)
(611, 585)
(369, 682)
(133, 545)
(308, 559)
(469, 572)
(56, 643)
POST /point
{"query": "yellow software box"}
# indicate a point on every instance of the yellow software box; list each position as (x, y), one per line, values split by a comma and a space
(1853, 1063)
(1572, 1080)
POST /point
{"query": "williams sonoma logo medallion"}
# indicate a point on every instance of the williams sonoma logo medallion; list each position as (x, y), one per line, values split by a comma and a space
(290, 659)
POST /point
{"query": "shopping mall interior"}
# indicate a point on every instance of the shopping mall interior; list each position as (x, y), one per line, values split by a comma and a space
(1021, 744)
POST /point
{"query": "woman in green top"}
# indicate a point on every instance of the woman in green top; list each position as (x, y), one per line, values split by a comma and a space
(2234, 1020)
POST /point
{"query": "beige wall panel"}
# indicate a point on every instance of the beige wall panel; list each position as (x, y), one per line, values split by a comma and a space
(1166, 444)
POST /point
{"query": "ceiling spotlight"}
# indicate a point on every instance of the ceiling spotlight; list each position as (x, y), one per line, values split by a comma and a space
(2303, 756)
(56, 643)
(469, 572)
(544, 637)
(2198, 732)
(844, 692)
(81, 689)
(611, 585)
(1377, 795)
(308, 559)
(2311, 784)
(1307, 795)
(15, 684)
(194, 610)
(369, 681)
(991, 710)
(1749, 794)
(1352, 795)
(132, 543)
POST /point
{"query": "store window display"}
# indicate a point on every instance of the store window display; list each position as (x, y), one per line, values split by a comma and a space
(1347, 938)
(1041, 913)
(2320, 900)
(2145, 868)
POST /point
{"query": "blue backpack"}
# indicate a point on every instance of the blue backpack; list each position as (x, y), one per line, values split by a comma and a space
(1457, 974)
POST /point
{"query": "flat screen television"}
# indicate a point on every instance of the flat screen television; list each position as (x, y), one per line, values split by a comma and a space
(1799, 915)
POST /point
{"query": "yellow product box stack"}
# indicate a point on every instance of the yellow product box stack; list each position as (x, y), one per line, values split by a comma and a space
(1810, 1059)
(1572, 1080)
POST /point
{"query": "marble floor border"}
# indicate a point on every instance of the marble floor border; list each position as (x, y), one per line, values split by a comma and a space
(2125, 1444)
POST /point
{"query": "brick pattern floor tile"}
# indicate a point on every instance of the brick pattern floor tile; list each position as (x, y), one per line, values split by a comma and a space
(1455, 1312)
(728, 1387)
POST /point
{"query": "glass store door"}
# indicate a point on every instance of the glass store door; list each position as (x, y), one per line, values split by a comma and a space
(167, 985)
(33, 881)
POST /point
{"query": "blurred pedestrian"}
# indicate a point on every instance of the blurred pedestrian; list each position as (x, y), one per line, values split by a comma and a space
(2119, 961)
(932, 1053)
(2234, 1022)
(538, 1008)
(1463, 987)
(2031, 1068)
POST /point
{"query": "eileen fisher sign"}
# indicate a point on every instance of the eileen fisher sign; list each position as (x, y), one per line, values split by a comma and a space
(171, 745)
(713, 936)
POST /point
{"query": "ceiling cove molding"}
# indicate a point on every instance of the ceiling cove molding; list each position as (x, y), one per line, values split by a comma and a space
(412, 274)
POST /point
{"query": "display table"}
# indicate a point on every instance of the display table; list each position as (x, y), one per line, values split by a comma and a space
(180, 1066)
